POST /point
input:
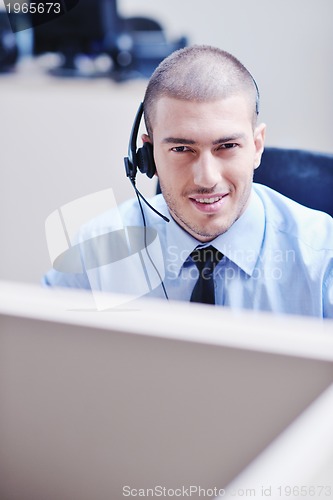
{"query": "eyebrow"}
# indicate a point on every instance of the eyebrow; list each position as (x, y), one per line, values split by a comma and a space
(231, 138)
(221, 140)
(177, 140)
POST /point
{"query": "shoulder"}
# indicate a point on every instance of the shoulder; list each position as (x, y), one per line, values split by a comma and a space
(126, 214)
(289, 218)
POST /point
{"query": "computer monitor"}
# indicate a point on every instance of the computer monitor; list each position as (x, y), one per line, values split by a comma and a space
(152, 395)
(85, 29)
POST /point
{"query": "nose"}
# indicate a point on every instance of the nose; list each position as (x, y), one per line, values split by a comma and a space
(206, 171)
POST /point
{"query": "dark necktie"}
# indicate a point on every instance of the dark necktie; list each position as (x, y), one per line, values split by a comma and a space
(205, 259)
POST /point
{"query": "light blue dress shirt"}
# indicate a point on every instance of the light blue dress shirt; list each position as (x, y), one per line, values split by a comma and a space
(278, 256)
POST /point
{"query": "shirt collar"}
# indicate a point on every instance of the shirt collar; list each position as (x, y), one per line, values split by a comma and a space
(179, 245)
(241, 243)
(176, 243)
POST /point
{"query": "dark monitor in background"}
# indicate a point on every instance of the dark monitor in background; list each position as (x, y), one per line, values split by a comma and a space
(148, 46)
(134, 46)
(83, 30)
(8, 46)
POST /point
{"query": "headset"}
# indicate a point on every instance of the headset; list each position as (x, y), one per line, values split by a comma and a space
(142, 158)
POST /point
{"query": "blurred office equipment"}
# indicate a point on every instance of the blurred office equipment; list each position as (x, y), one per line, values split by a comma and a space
(81, 31)
(93, 402)
(141, 46)
(8, 44)
(94, 28)
(303, 176)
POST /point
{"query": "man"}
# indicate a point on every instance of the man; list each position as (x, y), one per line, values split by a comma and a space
(263, 251)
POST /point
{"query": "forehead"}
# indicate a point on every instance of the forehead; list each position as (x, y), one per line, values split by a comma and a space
(183, 118)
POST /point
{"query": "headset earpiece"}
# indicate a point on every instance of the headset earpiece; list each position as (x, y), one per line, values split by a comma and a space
(143, 158)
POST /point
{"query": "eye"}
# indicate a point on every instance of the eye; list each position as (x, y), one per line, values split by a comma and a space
(228, 145)
(180, 149)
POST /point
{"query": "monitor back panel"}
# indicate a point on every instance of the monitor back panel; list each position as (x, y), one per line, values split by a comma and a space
(88, 413)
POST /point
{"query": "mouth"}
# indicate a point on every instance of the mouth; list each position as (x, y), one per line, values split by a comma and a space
(209, 204)
(208, 201)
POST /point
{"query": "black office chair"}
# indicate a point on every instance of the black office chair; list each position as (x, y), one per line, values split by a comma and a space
(303, 176)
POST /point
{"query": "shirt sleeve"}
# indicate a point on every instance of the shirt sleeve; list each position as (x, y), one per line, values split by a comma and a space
(328, 293)
(69, 280)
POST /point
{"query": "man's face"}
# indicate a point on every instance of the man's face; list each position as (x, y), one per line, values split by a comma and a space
(205, 155)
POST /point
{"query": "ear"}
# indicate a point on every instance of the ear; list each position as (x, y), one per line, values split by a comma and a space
(146, 138)
(259, 141)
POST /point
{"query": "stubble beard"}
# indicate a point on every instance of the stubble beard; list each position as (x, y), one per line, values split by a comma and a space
(200, 232)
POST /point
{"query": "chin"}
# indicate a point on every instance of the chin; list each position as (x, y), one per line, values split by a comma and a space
(204, 229)
(204, 233)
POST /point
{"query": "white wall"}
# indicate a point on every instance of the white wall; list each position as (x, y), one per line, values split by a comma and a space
(64, 139)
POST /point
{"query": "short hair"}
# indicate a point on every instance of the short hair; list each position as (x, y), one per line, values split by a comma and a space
(199, 73)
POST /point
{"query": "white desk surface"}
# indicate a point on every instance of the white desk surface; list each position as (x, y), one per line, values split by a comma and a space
(286, 334)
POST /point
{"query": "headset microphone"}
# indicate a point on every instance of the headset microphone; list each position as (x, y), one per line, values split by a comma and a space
(142, 159)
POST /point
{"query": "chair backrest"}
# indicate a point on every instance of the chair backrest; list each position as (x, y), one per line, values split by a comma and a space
(304, 176)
